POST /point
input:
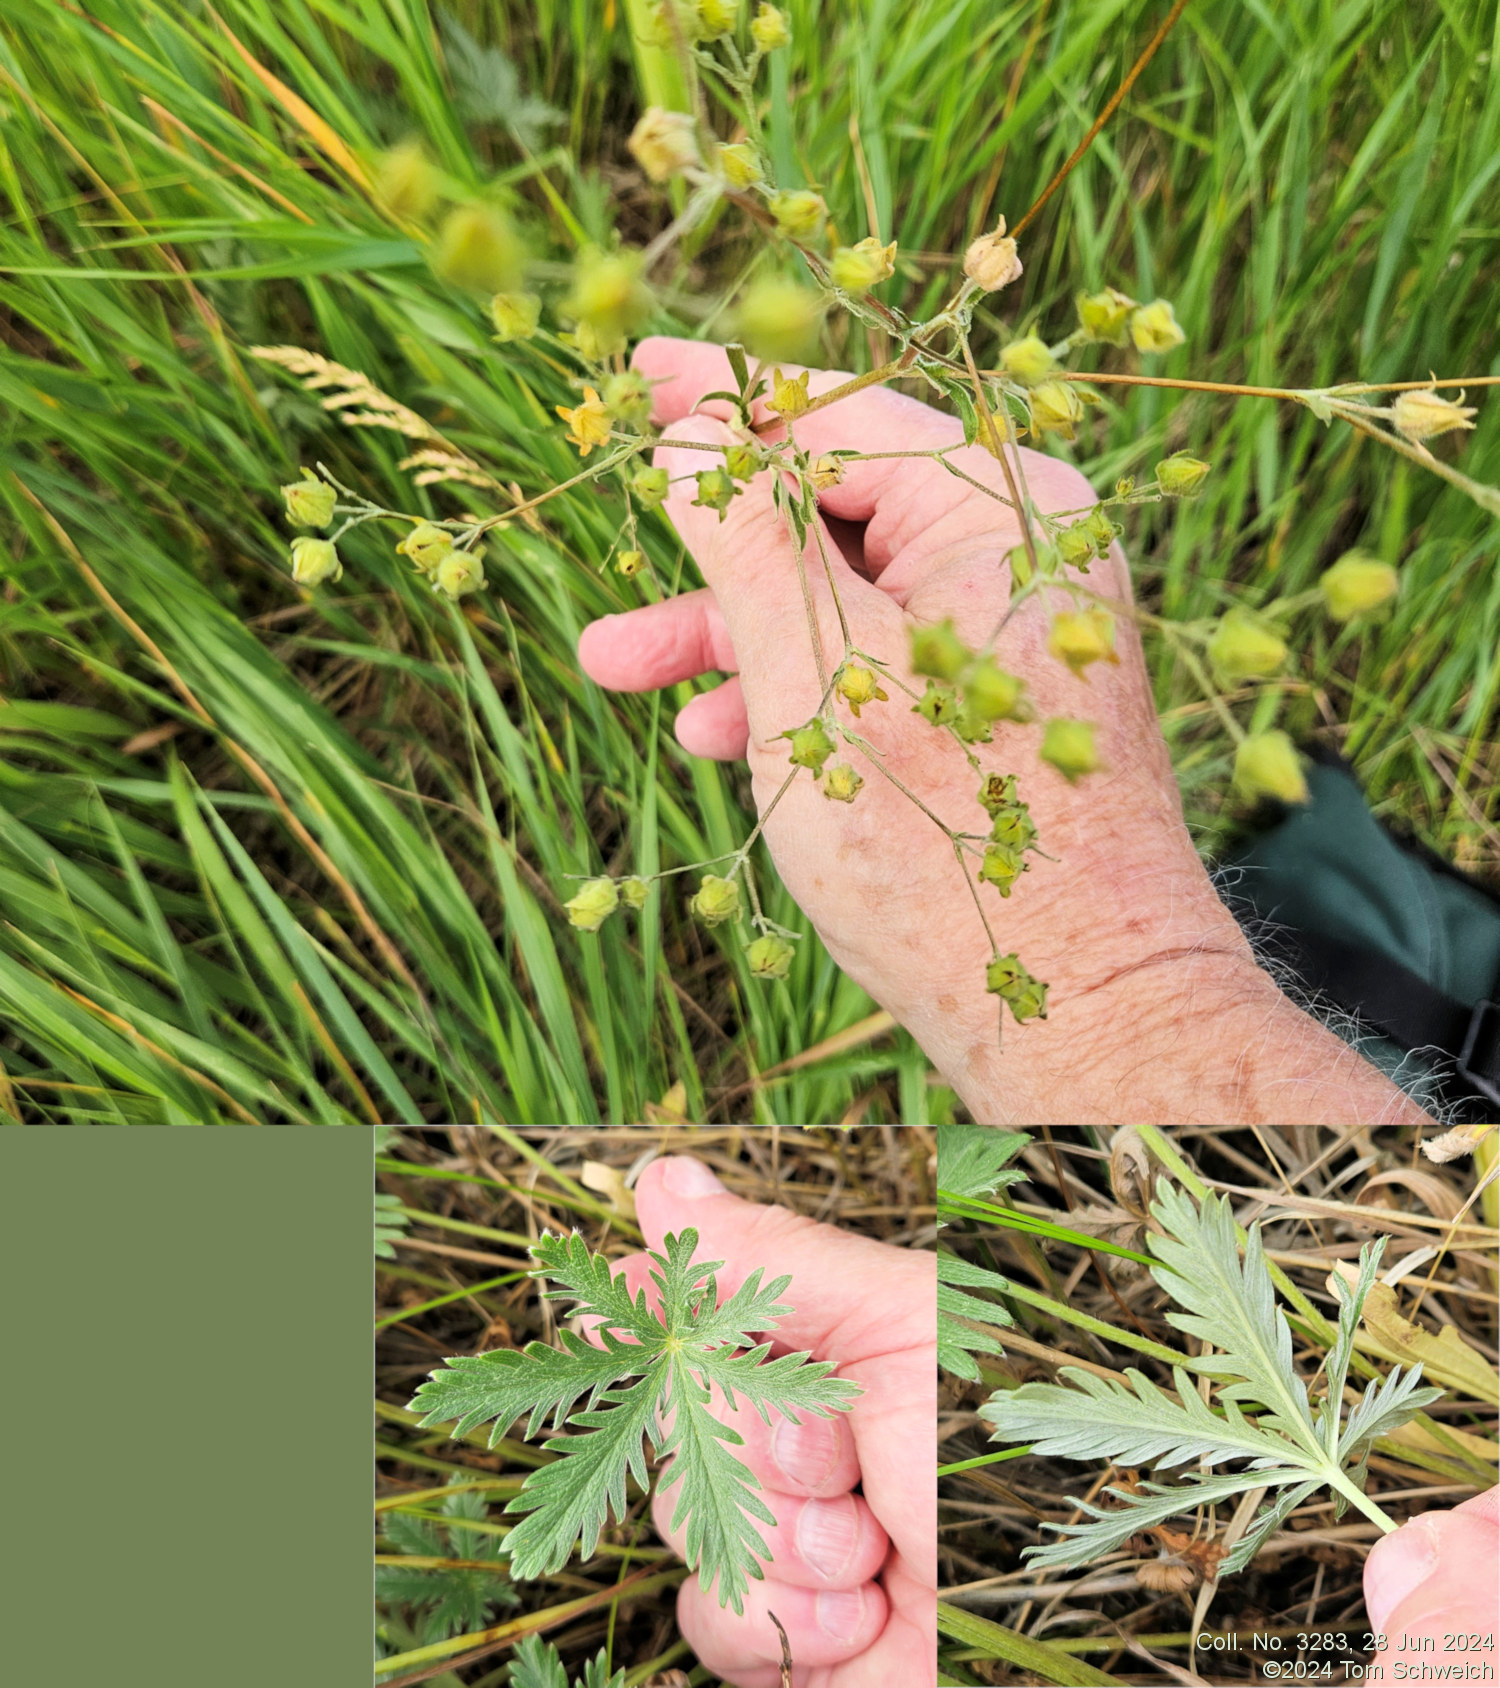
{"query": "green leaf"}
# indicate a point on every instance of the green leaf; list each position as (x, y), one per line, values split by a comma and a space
(390, 1224)
(957, 1342)
(1037, 1658)
(676, 1357)
(971, 1159)
(537, 1664)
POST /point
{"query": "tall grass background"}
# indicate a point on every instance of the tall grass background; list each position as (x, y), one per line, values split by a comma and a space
(282, 857)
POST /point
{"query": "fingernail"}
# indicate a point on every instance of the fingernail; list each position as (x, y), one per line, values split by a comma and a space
(826, 1534)
(805, 1453)
(1398, 1566)
(687, 1177)
(841, 1613)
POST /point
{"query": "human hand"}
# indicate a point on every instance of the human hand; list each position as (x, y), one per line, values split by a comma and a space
(852, 1577)
(1147, 967)
(1435, 1576)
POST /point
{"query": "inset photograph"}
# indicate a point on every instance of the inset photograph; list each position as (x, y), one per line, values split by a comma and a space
(1217, 1405)
(655, 1406)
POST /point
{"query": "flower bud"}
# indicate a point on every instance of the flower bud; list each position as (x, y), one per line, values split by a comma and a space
(768, 29)
(799, 212)
(634, 891)
(309, 502)
(826, 471)
(993, 695)
(426, 545)
(717, 17)
(609, 298)
(841, 783)
(811, 745)
(1423, 415)
(314, 561)
(769, 956)
(1102, 530)
(405, 182)
(515, 315)
(991, 261)
(630, 563)
(627, 397)
(459, 572)
(1026, 996)
(1076, 546)
(1055, 409)
(778, 319)
(596, 900)
(1069, 747)
(478, 250)
(742, 461)
(1267, 765)
(1242, 647)
(938, 651)
(939, 705)
(1180, 476)
(588, 423)
(715, 488)
(859, 686)
(1105, 316)
(649, 487)
(739, 164)
(1357, 584)
(789, 398)
(664, 143)
(717, 900)
(1014, 827)
(862, 266)
(1154, 327)
(1028, 360)
(1079, 637)
(1002, 867)
(998, 792)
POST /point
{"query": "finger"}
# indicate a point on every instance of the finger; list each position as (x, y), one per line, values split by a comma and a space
(714, 724)
(658, 644)
(1435, 1574)
(750, 559)
(814, 1543)
(824, 1627)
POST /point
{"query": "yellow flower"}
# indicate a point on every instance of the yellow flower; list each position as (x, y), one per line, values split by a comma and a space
(1105, 316)
(858, 686)
(426, 545)
(1357, 584)
(664, 143)
(588, 423)
(862, 266)
(309, 502)
(991, 261)
(1154, 327)
(1055, 409)
(595, 902)
(1028, 360)
(1423, 415)
(458, 573)
(314, 561)
(1079, 637)
(789, 398)
(842, 783)
(1267, 765)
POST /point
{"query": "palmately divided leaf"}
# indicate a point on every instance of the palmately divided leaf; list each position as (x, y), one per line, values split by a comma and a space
(676, 1358)
(537, 1664)
(572, 1497)
(1098, 1418)
(538, 1380)
(1233, 1308)
(957, 1342)
(971, 1159)
(1386, 1405)
(717, 1495)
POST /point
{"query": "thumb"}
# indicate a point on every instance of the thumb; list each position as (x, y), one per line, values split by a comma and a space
(749, 557)
(1436, 1574)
